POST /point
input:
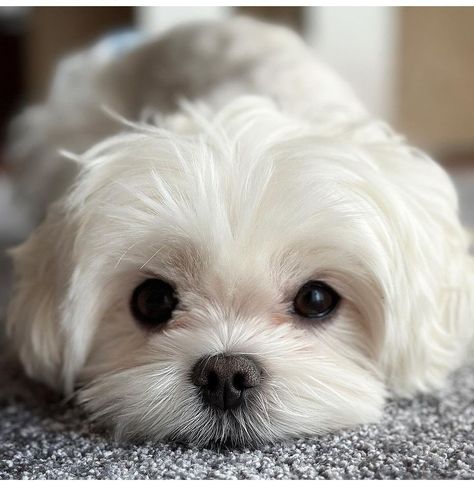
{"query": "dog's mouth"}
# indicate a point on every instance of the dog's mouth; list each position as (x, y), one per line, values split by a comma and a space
(226, 429)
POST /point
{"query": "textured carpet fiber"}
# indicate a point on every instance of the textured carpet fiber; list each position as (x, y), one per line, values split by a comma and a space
(428, 437)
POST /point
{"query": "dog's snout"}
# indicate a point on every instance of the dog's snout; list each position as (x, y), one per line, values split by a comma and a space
(224, 380)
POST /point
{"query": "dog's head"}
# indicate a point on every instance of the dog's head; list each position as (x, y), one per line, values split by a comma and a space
(245, 277)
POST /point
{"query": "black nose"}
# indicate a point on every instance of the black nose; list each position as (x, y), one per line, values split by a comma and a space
(225, 379)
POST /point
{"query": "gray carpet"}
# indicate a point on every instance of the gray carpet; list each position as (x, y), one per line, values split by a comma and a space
(429, 437)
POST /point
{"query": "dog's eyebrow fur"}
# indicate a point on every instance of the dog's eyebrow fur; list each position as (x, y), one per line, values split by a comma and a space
(183, 259)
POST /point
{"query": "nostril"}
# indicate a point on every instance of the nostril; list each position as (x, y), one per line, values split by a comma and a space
(239, 381)
(212, 381)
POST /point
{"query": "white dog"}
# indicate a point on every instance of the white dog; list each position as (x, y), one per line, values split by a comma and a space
(259, 261)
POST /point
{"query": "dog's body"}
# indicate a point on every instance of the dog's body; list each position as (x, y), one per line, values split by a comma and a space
(307, 260)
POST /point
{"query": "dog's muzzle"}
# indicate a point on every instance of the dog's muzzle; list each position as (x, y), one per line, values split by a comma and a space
(225, 380)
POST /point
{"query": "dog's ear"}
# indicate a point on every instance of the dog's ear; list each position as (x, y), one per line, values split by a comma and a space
(429, 321)
(434, 338)
(35, 319)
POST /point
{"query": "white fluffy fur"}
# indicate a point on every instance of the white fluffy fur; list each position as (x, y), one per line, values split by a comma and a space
(274, 175)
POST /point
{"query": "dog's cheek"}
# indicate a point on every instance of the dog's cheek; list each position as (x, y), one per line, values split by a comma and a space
(327, 382)
(279, 318)
(117, 342)
(138, 383)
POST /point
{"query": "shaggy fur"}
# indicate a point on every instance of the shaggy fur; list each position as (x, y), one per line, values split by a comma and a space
(269, 174)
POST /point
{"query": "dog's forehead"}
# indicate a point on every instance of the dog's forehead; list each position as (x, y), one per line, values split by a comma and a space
(244, 207)
(268, 220)
(255, 213)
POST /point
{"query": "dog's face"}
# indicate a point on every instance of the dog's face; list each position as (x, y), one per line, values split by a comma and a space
(254, 278)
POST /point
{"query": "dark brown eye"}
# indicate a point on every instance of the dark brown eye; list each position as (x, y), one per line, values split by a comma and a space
(153, 302)
(315, 300)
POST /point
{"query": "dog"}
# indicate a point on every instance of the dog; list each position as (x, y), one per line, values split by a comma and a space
(235, 250)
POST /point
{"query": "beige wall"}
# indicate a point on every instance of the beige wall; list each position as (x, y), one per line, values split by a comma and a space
(436, 78)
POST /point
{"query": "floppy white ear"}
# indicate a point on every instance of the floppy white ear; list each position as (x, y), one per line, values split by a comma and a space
(440, 330)
(429, 325)
(42, 267)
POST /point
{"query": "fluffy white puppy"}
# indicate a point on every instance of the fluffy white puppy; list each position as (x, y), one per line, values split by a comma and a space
(263, 260)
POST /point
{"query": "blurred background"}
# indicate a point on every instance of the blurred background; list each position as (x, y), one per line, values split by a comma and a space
(413, 66)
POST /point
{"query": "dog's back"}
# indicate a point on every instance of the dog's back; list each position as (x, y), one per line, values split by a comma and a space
(212, 62)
